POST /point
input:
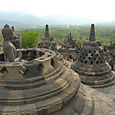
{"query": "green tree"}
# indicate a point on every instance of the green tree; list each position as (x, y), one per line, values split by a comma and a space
(30, 39)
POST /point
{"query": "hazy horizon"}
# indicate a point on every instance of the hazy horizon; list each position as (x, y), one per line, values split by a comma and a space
(102, 10)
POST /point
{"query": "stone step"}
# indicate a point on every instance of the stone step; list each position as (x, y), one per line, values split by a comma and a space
(103, 85)
(50, 79)
(93, 78)
(23, 87)
(91, 72)
(52, 73)
(36, 94)
(100, 83)
(29, 80)
(35, 82)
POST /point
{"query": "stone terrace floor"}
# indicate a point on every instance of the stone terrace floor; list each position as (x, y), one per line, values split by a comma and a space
(104, 100)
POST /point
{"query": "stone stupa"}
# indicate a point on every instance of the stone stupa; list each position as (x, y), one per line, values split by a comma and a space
(47, 42)
(91, 64)
(15, 40)
(69, 48)
(69, 43)
(111, 52)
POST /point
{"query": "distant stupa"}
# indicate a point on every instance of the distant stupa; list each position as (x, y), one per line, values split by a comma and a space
(70, 37)
(47, 42)
(69, 43)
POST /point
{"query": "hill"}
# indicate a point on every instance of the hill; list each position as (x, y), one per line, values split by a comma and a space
(25, 20)
(19, 19)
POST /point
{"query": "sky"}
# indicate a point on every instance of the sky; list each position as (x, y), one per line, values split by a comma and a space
(91, 9)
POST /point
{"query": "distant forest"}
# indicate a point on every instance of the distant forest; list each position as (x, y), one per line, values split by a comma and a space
(105, 34)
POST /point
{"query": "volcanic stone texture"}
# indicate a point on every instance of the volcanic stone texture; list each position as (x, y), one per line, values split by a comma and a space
(46, 88)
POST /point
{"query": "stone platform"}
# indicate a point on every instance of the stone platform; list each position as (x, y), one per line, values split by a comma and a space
(104, 100)
(50, 90)
(39, 85)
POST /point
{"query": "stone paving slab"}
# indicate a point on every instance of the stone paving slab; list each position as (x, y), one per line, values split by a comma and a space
(104, 100)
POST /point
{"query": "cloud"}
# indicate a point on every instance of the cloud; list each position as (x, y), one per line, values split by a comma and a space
(95, 9)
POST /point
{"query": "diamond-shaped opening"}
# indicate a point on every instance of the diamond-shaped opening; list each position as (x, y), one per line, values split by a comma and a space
(89, 51)
(4, 70)
(52, 62)
(91, 63)
(97, 62)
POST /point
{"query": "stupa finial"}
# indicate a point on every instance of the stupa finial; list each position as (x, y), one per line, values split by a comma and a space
(47, 31)
(70, 37)
(92, 33)
(70, 33)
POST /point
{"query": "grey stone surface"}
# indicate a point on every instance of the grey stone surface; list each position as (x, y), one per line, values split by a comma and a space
(16, 41)
(104, 100)
(92, 33)
(111, 55)
(10, 53)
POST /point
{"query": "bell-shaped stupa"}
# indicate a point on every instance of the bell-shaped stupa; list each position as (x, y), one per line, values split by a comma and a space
(91, 64)
(47, 42)
(69, 48)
